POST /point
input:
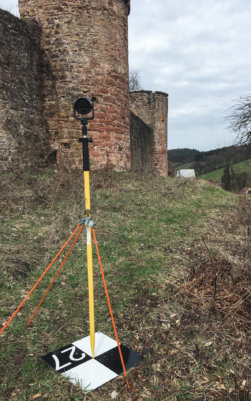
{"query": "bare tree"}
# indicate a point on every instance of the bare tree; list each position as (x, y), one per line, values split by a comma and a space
(134, 81)
(240, 120)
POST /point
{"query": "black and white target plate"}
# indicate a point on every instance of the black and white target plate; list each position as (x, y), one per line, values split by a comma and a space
(75, 362)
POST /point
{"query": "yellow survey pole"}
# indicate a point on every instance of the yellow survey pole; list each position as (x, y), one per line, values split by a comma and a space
(83, 107)
(89, 260)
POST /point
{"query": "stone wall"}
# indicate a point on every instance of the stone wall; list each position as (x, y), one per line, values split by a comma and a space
(57, 53)
(86, 47)
(23, 133)
(152, 108)
(141, 145)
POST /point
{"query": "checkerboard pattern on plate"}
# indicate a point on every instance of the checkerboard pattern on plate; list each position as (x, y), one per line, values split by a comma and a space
(74, 361)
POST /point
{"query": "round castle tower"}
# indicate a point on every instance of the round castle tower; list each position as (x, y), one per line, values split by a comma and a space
(85, 44)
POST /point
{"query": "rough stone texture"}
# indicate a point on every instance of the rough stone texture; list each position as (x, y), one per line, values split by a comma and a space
(152, 108)
(141, 145)
(86, 51)
(23, 136)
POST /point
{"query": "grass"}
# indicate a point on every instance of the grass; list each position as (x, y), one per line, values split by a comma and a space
(241, 167)
(185, 166)
(152, 233)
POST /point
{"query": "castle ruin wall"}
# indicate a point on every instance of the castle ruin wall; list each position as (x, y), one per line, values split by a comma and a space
(23, 134)
(152, 108)
(142, 142)
(57, 53)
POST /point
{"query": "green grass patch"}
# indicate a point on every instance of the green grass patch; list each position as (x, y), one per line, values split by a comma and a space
(144, 224)
(185, 166)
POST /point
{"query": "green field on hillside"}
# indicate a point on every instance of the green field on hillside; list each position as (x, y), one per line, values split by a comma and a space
(175, 257)
(244, 166)
(186, 165)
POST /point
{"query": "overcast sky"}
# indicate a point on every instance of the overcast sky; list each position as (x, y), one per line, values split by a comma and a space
(199, 52)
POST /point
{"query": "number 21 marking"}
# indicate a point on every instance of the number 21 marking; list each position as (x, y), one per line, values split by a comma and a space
(71, 357)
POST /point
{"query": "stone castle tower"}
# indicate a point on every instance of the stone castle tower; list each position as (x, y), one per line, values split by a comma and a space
(152, 107)
(85, 45)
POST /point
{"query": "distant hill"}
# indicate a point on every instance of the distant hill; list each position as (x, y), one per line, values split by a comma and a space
(204, 162)
(182, 156)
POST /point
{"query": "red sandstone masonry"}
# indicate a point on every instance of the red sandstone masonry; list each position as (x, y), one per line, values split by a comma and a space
(24, 140)
(86, 51)
(152, 108)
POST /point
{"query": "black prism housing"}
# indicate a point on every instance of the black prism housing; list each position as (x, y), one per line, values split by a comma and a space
(82, 107)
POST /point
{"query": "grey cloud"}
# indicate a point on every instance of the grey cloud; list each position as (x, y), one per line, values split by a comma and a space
(199, 53)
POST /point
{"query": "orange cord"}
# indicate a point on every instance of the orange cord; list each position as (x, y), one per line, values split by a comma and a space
(110, 308)
(33, 288)
(48, 289)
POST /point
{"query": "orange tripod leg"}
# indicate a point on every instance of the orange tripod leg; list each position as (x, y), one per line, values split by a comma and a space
(38, 281)
(54, 278)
